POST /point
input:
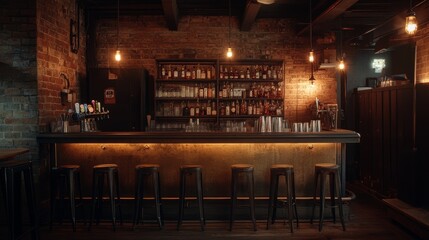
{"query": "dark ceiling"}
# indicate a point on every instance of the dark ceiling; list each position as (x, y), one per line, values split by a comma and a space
(355, 19)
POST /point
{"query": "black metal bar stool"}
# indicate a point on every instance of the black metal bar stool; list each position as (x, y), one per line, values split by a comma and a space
(111, 171)
(11, 173)
(247, 170)
(65, 179)
(189, 170)
(142, 171)
(323, 170)
(276, 171)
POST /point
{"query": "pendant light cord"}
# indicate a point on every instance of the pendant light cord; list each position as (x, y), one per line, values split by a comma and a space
(229, 23)
(117, 26)
(311, 27)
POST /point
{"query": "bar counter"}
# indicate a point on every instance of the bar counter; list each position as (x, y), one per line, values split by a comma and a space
(214, 151)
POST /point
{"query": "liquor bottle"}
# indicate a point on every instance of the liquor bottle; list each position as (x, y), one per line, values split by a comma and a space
(233, 109)
(198, 72)
(197, 109)
(186, 111)
(175, 73)
(210, 91)
(193, 73)
(196, 91)
(250, 108)
(231, 91)
(221, 74)
(227, 109)
(269, 73)
(188, 73)
(224, 91)
(214, 111)
(209, 108)
(248, 73)
(264, 72)
(183, 72)
(169, 72)
(203, 74)
(257, 75)
(192, 111)
(209, 73)
(274, 73)
(201, 91)
(205, 91)
(163, 76)
(243, 108)
(279, 109)
(222, 109)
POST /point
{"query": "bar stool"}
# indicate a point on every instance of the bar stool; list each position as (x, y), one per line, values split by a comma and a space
(247, 170)
(111, 171)
(191, 170)
(10, 184)
(65, 178)
(142, 171)
(276, 171)
(323, 170)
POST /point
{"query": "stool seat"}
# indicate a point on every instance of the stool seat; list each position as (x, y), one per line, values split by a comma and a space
(322, 171)
(197, 171)
(247, 170)
(68, 167)
(107, 166)
(281, 166)
(147, 166)
(147, 170)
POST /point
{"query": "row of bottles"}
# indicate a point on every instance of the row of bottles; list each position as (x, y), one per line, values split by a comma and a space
(235, 108)
(187, 72)
(226, 108)
(264, 72)
(206, 90)
(254, 90)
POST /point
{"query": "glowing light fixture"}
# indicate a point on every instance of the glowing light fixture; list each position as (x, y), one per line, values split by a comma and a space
(411, 21)
(311, 56)
(229, 53)
(118, 53)
(341, 65)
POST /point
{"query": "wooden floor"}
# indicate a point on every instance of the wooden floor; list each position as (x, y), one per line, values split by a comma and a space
(368, 220)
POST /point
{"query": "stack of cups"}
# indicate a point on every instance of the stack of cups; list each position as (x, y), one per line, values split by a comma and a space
(315, 125)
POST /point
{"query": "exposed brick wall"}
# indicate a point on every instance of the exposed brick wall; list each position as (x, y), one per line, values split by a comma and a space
(55, 57)
(146, 38)
(18, 80)
(422, 68)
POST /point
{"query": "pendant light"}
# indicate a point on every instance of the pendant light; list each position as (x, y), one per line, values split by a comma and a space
(311, 54)
(411, 21)
(229, 53)
(118, 53)
(341, 65)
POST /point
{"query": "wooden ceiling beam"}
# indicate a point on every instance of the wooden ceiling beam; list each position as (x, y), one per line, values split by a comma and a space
(330, 14)
(250, 12)
(171, 13)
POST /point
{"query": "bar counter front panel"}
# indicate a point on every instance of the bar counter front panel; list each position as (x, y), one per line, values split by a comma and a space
(216, 152)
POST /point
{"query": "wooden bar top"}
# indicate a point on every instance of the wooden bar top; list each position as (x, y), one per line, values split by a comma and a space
(332, 136)
(10, 153)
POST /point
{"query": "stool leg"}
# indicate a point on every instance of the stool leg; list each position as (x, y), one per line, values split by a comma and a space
(294, 199)
(332, 184)
(157, 194)
(31, 195)
(322, 200)
(100, 196)
(340, 200)
(79, 187)
(270, 201)
(159, 199)
(118, 196)
(181, 198)
(9, 202)
(54, 189)
(200, 199)
(112, 198)
(233, 200)
(137, 199)
(316, 178)
(72, 199)
(289, 199)
(276, 194)
(252, 199)
(95, 179)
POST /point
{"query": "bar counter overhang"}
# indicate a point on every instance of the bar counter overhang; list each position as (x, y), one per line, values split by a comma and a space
(215, 151)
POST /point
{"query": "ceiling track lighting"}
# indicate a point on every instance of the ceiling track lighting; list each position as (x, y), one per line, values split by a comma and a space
(229, 53)
(117, 53)
(411, 21)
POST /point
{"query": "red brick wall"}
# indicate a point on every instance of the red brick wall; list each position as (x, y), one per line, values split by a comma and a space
(146, 38)
(18, 80)
(55, 57)
(422, 68)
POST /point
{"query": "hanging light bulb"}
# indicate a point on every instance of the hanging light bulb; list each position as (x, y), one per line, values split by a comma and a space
(341, 65)
(229, 53)
(118, 55)
(411, 21)
(311, 56)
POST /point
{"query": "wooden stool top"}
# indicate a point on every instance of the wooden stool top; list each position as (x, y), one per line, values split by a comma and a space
(147, 165)
(281, 166)
(102, 166)
(242, 167)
